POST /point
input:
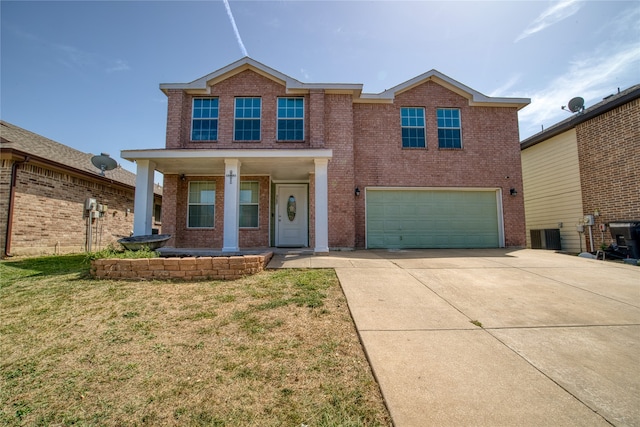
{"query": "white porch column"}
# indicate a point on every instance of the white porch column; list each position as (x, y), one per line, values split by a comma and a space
(143, 201)
(322, 206)
(230, 237)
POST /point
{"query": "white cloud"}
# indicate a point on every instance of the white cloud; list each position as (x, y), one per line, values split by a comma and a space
(591, 78)
(552, 15)
(118, 65)
(500, 91)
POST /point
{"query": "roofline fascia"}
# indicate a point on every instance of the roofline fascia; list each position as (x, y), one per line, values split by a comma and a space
(185, 153)
(202, 86)
(577, 119)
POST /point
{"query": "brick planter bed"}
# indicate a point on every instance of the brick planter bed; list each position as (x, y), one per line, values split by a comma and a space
(187, 268)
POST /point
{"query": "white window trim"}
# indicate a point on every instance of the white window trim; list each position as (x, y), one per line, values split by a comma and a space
(189, 204)
(278, 118)
(458, 128)
(259, 119)
(252, 204)
(424, 118)
(193, 101)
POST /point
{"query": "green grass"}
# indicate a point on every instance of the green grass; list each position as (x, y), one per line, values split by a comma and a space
(275, 349)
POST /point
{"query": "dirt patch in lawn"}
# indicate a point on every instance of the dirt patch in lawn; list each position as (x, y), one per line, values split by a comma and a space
(278, 348)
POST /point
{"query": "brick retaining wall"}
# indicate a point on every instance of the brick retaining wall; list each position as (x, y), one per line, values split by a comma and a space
(189, 268)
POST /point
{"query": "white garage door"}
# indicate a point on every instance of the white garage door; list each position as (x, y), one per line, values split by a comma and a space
(432, 219)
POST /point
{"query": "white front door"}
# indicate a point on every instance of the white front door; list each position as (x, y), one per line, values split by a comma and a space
(292, 229)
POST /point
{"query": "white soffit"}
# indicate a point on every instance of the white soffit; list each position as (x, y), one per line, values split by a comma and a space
(285, 164)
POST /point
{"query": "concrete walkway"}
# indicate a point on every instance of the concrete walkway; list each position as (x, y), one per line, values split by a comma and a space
(559, 341)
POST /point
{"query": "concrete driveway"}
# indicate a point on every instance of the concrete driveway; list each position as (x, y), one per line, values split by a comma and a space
(495, 337)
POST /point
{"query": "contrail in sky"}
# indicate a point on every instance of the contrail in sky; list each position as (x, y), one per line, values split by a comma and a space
(235, 28)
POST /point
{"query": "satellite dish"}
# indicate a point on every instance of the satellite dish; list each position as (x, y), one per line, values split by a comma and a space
(576, 104)
(103, 162)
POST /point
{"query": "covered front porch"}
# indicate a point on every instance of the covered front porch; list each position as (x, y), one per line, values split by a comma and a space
(293, 202)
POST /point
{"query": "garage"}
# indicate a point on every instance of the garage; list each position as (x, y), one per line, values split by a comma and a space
(433, 218)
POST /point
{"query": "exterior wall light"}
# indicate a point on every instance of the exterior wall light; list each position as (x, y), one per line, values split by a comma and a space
(513, 192)
(357, 192)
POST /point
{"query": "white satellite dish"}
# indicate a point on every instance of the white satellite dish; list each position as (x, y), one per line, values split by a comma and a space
(575, 105)
(104, 163)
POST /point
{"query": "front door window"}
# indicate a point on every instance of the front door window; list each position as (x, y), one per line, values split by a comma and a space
(291, 208)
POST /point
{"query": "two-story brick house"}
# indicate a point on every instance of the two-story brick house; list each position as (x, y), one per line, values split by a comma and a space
(254, 158)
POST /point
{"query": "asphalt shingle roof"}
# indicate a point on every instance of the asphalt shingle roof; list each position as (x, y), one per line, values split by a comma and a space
(16, 138)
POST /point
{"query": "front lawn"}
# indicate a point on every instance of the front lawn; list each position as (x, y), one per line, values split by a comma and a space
(275, 349)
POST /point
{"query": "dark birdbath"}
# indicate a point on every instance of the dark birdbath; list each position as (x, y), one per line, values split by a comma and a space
(152, 241)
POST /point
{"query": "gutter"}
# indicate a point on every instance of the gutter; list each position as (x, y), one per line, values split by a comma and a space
(12, 186)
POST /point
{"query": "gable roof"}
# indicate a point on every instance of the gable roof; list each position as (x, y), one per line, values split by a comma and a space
(203, 84)
(293, 86)
(25, 143)
(475, 98)
(607, 104)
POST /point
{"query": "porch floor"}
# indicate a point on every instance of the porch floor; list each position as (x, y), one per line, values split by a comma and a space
(204, 252)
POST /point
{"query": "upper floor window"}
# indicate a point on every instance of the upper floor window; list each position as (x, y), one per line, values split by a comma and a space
(204, 120)
(249, 204)
(247, 119)
(201, 204)
(413, 127)
(449, 129)
(290, 119)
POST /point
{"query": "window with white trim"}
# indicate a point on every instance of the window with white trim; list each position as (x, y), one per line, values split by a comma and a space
(413, 127)
(290, 119)
(201, 204)
(449, 129)
(204, 119)
(249, 204)
(247, 119)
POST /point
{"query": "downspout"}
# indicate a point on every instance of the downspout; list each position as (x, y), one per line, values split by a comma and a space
(12, 186)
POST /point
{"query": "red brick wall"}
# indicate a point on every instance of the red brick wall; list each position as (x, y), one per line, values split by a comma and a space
(49, 212)
(174, 215)
(490, 152)
(609, 155)
(246, 83)
(367, 151)
(339, 133)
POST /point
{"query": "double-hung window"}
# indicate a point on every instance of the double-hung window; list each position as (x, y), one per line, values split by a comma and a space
(290, 119)
(204, 120)
(247, 119)
(201, 204)
(449, 129)
(249, 204)
(413, 127)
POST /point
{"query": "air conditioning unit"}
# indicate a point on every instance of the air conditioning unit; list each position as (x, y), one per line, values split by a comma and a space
(548, 238)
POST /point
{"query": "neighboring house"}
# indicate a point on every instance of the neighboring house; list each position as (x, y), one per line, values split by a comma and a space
(587, 165)
(44, 189)
(254, 158)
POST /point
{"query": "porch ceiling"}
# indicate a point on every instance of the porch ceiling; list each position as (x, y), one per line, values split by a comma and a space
(279, 164)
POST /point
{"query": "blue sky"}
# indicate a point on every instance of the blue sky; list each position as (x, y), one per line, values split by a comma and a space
(86, 73)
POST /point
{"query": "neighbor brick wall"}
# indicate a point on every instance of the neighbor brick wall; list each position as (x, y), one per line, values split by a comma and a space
(609, 154)
(49, 212)
(490, 152)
